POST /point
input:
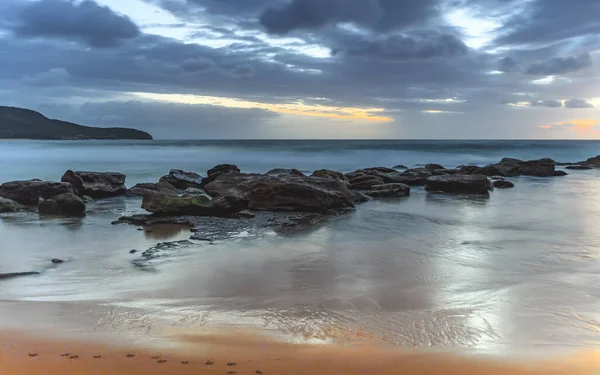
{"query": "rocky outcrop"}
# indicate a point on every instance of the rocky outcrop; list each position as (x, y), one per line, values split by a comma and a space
(332, 175)
(459, 183)
(29, 192)
(365, 181)
(96, 184)
(67, 204)
(219, 170)
(142, 189)
(182, 180)
(388, 191)
(7, 205)
(283, 193)
(433, 167)
(414, 177)
(509, 167)
(502, 184)
(400, 166)
(285, 172)
(595, 161)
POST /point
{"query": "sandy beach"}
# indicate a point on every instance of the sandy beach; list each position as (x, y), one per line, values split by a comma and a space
(249, 353)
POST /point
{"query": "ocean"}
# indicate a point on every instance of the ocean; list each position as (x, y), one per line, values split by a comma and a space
(518, 272)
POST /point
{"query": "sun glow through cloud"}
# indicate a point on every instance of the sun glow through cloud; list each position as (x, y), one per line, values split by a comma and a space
(298, 108)
(586, 126)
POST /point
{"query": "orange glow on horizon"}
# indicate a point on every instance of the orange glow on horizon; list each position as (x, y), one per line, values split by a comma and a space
(299, 109)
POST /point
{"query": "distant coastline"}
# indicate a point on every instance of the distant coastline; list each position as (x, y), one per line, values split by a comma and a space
(24, 124)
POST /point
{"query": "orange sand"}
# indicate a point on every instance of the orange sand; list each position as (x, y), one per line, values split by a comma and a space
(255, 355)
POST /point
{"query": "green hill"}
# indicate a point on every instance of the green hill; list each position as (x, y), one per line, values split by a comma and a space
(19, 123)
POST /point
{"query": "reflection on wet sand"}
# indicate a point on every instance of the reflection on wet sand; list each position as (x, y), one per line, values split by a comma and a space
(166, 232)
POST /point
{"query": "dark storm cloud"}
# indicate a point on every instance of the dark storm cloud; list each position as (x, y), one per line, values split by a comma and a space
(552, 20)
(422, 45)
(199, 64)
(374, 14)
(508, 65)
(578, 103)
(560, 65)
(95, 25)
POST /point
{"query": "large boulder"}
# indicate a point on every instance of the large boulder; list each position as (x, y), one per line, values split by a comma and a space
(142, 189)
(595, 161)
(67, 204)
(388, 191)
(166, 205)
(7, 205)
(414, 177)
(332, 175)
(28, 193)
(459, 183)
(502, 184)
(96, 184)
(283, 193)
(219, 170)
(433, 167)
(181, 179)
(365, 181)
(509, 167)
(537, 168)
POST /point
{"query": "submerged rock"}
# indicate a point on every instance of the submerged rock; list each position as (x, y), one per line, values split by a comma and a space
(67, 204)
(579, 167)
(142, 189)
(459, 183)
(400, 166)
(166, 205)
(7, 205)
(4, 276)
(389, 191)
(182, 180)
(283, 193)
(502, 184)
(29, 192)
(96, 184)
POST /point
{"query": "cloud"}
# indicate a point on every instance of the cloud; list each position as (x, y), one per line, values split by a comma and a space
(546, 103)
(508, 65)
(578, 103)
(417, 46)
(243, 70)
(560, 65)
(52, 77)
(581, 125)
(373, 14)
(199, 64)
(95, 25)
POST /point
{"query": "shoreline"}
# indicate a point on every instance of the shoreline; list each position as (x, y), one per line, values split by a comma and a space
(246, 352)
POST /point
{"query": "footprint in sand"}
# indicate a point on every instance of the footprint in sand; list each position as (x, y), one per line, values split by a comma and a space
(231, 364)
(74, 357)
(184, 362)
(209, 362)
(130, 355)
(161, 361)
(33, 354)
(155, 357)
(65, 355)
(231, 372)
(259, 372)
(97, 357)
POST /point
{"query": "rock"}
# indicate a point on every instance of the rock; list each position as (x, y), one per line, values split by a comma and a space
(228, 205)
(389, 191)
(497, 178)
(360, 197)
(69, 204)
(400, 166)
(47, 207)
(433, 167)
(87, 199)
(511, 161)
(283, 193)
(28, 193)
(285, 172)
(182, 180)
(537, 168)
(96, 184)
(459, 183)
(223, 169)
(414, 177)
(142, 189)
(365, 181)
(193, 191)
(332, 175)
(165, 205)
(132, 251)
(502, 184)
(4, 276)
(441, 172)
(595, 161)
(560, 173)
(57, 261)
(579, 167)
(7, 205)
(219, 170)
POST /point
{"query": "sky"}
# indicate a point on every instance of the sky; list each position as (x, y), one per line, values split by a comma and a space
(308, 69)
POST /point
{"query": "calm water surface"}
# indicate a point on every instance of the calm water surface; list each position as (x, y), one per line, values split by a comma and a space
(517, 272)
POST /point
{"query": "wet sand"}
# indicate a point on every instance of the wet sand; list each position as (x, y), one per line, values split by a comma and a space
(248, 353)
